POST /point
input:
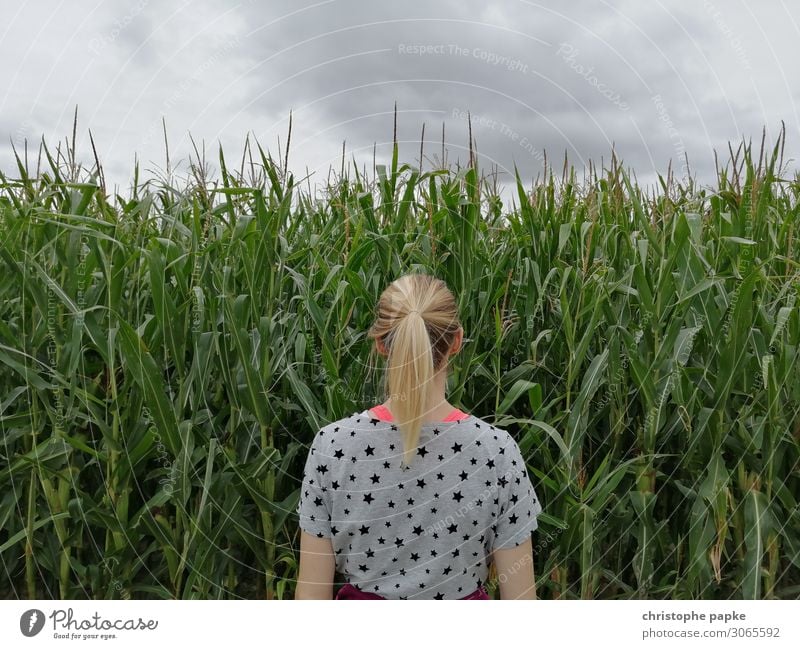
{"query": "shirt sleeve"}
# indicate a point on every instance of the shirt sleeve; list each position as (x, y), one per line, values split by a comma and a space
(313, 508)
(517, 501)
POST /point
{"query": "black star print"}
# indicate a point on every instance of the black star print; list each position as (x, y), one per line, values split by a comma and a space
(451, 472)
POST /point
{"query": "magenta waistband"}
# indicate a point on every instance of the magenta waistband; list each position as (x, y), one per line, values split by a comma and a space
(348, 591)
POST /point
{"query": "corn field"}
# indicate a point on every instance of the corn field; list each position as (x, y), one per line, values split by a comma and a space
(167, 356)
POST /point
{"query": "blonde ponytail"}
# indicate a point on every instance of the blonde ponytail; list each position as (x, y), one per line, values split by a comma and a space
(408, 372)
(417, 320)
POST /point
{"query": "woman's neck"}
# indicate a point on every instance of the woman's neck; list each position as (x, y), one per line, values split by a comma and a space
(438, 407)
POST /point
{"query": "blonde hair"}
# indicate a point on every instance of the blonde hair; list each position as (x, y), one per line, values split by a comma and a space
(417, 319)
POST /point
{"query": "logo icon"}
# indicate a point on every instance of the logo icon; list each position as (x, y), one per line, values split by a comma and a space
(31, 622)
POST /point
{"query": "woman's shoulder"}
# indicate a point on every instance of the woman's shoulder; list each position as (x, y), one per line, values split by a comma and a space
(342, 428)
(493, 437)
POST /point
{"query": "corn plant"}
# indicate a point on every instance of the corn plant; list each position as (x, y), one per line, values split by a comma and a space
(166, 357)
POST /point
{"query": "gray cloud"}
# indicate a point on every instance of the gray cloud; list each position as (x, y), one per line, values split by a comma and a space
(656, 80)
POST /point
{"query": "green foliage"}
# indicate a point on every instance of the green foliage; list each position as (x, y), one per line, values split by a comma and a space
(166, 358)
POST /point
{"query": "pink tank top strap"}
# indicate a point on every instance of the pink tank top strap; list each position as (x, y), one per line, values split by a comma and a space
(382, 412)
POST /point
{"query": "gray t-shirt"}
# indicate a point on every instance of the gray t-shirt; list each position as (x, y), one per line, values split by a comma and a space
(426, 531)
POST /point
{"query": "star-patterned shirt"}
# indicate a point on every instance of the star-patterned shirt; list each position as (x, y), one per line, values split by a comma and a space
(425, 531)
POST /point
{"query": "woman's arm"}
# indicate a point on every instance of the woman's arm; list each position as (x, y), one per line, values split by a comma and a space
(317, 565)
(515, 571)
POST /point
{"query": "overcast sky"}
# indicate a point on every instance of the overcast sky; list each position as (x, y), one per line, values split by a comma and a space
(657, 79)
